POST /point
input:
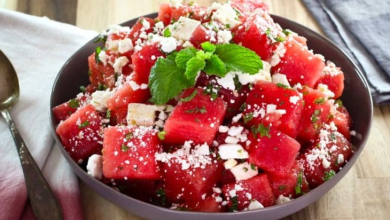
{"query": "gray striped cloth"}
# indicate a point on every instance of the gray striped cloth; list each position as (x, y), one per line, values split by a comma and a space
(362, 29)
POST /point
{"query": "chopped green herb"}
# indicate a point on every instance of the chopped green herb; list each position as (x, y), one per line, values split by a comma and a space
(89, 73)
(122, 187)
(97, 52)
(243, 107)
(320, 101)
(281, 103)
(237, 83)
(239, 151)
(253, 167)
(161, 195)
(329, 175)
(298, 189)
(84, 124)
(108, 114)
(332, 136)
(102, 87)
(234, 206)
(74, 103)
(197, 120)
(212, 91)
(247, 117)
(314, 119)
(83, 89)
(191, 3)
(272, 37)
(282, 187)
(339, 103)
(281, 85)
(116, 76)
(161, 135)
(167, 32)
(190, 97)
(124, 148)
(129, 136)
(287, 32)
(196, 110)
(262, 130)
(317, 112)
(245, 169)
(101, 38)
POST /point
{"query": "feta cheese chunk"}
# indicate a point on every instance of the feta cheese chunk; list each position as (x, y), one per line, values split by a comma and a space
(103, 57)
(168, 44)
(280, 78)
(230, 164)
(244, 171)
(255, 205)
(225, 14)
(99, 100)
(232, 151)
(184, 28)
(120, 63)
(282, 199)
(125, 45)
(325, 90)
(95, 166)
(224, 37)
(141, 114)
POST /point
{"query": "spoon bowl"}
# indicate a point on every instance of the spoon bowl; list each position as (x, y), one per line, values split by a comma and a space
(9, 83)
(43, 201)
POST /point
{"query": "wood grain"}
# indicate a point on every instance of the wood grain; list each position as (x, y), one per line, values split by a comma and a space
(364, 193)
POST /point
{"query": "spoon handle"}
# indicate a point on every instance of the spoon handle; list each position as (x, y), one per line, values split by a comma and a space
(43, 201)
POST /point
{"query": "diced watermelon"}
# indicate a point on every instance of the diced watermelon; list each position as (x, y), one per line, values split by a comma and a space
(202, 34)
(265, 95)
(343, 122)
(211, 203)
(80, 134)
(193, 12)
(100, 74)
(129, 153)
(189, 184)
(144, 190)
(66, 109)
(315, 112)
(118, 116)
(333, 77)
(272, 150)
(246, 7)
(299, 64)
(143, 60)
(138, 27)
(164, 13)
(292, 183)
(322, 160)
(234, 99)
(197, 120)
(240, 194)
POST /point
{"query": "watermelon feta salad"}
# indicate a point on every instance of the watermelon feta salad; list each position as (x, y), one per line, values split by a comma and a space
(209, 109)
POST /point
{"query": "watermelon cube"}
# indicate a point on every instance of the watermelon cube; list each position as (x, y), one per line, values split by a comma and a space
(129, 153)
(66, 109)
(202, 34)
(241, 194)
(342, 121)
(139, 27)
(101, 75)
(164, 13)
(333, 77)
(80, 134)
(271, 150)
(143, 60)
(197, 119)
(268, 104)
(299, 64)
(246, 7)
(315, 112)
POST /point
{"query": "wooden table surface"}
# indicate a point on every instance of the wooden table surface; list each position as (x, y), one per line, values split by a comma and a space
(363, 194)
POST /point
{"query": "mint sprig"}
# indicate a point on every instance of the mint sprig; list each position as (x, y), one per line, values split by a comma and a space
(178, 71)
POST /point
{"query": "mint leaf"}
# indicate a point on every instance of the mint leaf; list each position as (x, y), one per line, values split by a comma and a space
(194, 65)
(166, 80)
(190, 97)
(184, 56)
(238, 58)
(208, 47)
(97, 52)
(215, 66)
(167, 32)
(202, 55)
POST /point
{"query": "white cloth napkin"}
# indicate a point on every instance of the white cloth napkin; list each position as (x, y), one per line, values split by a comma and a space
(37, 47)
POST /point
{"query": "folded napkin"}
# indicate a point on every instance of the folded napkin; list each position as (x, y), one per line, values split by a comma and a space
(37, 47)
(361, 28)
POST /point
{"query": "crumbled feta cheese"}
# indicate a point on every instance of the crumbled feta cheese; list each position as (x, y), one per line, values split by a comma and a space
(202, 150)
(176, 3)
(235, 130)
(255, 205)
(184, 28)
(225, 14)
(103, 57)
(125, 45)
(120, 63)
(95, 166)
(134, 86)
(159, 25)
(227, 81)
(294, 99)
(141, 114)
(223, 129)
(340, 159)
(231, 140)
(145, 24)
(278, 53)
(282, 199)
(325, 90)
(230, 164)
(187, 44)
(224, 37)
(244, 171)
(168, 44)
(280, 78)
(232, 151)
(99, 99)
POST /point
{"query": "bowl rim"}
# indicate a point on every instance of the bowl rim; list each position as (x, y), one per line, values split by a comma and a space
(110, 193)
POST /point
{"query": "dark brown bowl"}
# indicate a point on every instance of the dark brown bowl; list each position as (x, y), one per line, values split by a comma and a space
(356, 98)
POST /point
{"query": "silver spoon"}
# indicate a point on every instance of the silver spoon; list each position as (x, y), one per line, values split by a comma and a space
(43, 201)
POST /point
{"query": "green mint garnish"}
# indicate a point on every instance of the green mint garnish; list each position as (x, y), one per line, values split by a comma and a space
(171, 75)
(102, 87)
(84, 124)
(248, 117)
(339, 103)
(281, 85)
(161, 195)
(108, 114)
(320, 101)
(161, 135)
(298, 189)
(272, 37)
(234, 206)
(83, 89)
(262, 130)
(282, 187)
(124, 148)
(196, 110)
(129, 136)
(287, 32)
(101, 38)
(212, 91)
(74, 103)
(253, 167)
(190, 97)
